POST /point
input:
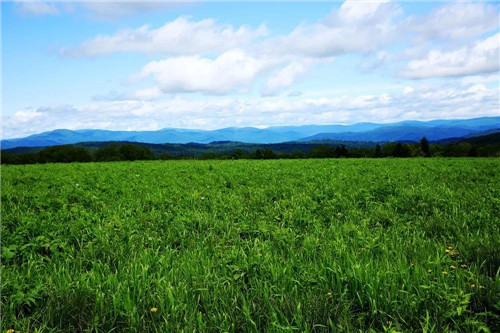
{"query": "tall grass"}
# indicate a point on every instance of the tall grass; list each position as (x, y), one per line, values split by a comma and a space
(279, 246)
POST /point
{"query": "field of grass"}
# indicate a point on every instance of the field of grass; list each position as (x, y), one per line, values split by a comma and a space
(397, 245)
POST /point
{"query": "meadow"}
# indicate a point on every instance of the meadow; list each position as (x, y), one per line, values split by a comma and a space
(330, 245)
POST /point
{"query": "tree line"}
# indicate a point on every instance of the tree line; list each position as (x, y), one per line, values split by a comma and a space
(134, 152)
(69, 153)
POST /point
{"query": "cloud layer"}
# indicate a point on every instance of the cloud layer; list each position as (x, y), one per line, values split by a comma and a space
(353, 28)
(213, 58)
(456, 21)
(481, 57)
(229, 72)
(179, 37)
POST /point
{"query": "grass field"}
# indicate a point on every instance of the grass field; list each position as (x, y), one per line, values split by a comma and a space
(396, 245)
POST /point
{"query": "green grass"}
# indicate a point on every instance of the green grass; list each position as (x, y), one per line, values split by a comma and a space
(279, 246)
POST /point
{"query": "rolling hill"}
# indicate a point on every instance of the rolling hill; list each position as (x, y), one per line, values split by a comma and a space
(402, 131)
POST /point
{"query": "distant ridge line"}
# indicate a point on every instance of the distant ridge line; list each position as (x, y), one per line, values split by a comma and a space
(408, 130)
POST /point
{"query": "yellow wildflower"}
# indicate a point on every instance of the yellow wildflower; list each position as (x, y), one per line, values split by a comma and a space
(447, 250)
(463, 266)
(329, 294)
(154, 309)
(429, 271)
(452, 267)
(444, 273)
(10, 330)
(473, 285)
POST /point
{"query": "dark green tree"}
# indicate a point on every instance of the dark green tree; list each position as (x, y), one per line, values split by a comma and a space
(378, 151)
(321, 151)
(401, 150)
(123, 152)
(424, 146)
(341, 151)
(237, 154)
(265, 154)
(131, 152)
(165, 156)
(209, 156)
(64, 154)
(24, 158)
(297, 154)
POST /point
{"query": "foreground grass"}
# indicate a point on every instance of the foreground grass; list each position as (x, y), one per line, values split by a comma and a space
(303, 245)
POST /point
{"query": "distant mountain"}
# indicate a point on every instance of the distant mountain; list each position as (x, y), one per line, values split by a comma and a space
(401, 131)
(244, 134)
(484, 133)
(490, 139)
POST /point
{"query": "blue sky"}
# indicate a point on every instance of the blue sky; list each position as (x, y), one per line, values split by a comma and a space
(147, 66)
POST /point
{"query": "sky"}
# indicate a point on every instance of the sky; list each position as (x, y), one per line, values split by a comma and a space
(211, 65)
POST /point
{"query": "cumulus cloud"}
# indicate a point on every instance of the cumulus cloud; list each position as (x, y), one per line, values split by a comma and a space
(350, 28)
(481, 57)
(424, 102)
(455, 21)
(232, 71)
(366, 28)
(179, 37)
(26, 116)
(286, 76)
(353, 28)
(481, 79)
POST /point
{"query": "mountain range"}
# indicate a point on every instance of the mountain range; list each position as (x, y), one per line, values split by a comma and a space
(406, 131)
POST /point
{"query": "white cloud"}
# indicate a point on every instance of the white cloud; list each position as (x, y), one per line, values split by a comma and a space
(286, 76)
(455, 21)
(479, 79)
(407, 90)
(482, 57)
(179, 37)
(232, 71)
(26, 116)
(365, 13)
(353, 28)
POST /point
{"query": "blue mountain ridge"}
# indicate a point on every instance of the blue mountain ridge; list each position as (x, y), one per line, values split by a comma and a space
(401, 131)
